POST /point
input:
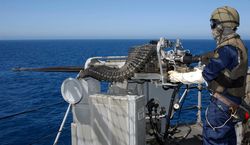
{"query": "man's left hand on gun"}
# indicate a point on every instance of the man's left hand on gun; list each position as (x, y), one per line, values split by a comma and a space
(193, 77)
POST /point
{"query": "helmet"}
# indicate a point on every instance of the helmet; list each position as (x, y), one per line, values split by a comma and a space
(226, 16)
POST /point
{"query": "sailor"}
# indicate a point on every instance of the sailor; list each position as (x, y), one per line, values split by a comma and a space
(225, 74)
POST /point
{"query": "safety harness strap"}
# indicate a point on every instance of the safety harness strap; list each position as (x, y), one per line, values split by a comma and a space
(226, 101)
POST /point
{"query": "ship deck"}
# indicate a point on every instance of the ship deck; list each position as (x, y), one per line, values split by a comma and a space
(188, 135)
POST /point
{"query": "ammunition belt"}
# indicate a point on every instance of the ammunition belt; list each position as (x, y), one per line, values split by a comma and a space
(135, 62)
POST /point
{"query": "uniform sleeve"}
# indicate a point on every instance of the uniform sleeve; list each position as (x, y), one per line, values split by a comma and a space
(228, 59)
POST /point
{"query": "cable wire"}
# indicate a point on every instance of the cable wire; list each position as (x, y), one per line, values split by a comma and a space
(40, 139)
(29, 111)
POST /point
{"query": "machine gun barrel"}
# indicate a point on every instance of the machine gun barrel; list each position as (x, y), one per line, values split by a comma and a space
(51, 69)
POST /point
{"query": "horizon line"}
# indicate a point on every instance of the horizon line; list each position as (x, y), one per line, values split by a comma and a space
(27, 39)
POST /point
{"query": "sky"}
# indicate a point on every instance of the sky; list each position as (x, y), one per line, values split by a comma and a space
(114, 19)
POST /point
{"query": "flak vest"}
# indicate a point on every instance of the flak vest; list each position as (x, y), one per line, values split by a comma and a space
(238, 71)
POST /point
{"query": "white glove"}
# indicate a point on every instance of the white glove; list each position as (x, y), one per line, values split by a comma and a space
(194, 77)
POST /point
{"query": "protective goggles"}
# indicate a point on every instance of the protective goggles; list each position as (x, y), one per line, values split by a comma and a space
(214, 23)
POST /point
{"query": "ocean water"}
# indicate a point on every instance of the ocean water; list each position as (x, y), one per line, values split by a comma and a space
(38, 93)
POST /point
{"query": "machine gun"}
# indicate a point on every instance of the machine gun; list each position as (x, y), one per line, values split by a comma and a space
(140, 100)
(149, 59)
